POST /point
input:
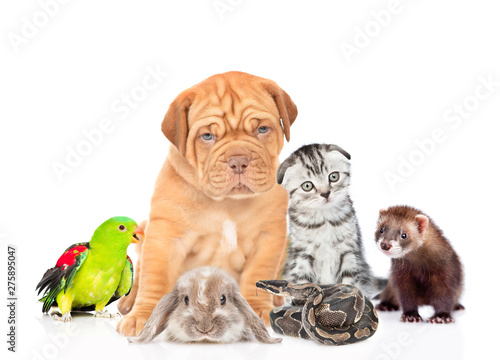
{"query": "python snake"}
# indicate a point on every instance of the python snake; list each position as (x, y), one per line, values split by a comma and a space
(329, 314)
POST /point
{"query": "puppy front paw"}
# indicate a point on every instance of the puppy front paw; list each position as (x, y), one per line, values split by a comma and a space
(126, 303)
(132, 324)
(263, 313)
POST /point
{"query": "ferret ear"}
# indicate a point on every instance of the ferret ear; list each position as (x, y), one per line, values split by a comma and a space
(382, 212)
(422, 223)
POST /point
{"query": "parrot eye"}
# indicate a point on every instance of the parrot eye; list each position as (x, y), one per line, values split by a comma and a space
(186, 300)
(121, 227)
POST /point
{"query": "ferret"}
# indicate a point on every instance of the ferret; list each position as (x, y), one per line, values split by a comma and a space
(425, 269)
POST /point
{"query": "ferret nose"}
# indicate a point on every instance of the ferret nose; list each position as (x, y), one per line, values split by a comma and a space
(326, 194)
(385, 246)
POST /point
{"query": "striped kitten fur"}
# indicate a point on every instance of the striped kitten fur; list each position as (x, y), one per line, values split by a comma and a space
(325, 239)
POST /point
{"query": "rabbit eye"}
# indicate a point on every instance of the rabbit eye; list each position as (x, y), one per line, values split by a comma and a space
(223, 299)
(186, 300)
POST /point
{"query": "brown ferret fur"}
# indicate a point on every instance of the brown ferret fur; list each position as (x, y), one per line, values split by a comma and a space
(425, 269)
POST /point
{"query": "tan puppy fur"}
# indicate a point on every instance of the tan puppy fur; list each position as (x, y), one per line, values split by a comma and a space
(216, 201)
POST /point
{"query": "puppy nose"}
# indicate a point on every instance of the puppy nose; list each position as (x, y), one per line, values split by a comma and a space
(238, 163)
(326, 194)
(385, 246)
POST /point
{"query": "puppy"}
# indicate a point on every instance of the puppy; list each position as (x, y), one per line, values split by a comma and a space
(216, 200)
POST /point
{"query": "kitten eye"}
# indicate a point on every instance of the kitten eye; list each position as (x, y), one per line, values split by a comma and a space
(122, 228)
(263, 129)
(207, 136)
(404, 236)
(334, 177)
(223, 299)
(382, 230)
(307, 186)
(186, 300)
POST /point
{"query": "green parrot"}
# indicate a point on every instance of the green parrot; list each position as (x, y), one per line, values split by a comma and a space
(89, 276)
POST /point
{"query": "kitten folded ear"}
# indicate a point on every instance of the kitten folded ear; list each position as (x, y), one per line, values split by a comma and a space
(283, 168)
(339, 149)
(422, 223)
(158, 320)
(252, 321)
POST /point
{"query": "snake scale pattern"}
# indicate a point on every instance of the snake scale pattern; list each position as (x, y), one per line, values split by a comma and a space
(329, 314)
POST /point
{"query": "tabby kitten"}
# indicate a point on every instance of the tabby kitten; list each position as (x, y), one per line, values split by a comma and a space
(325, 239)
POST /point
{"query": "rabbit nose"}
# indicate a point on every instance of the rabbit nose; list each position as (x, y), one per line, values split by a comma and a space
(204, 327)
(204, 331)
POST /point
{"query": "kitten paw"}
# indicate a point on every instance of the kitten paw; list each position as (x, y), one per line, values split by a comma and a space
(386, 306)
(441, 318)
(411, 317)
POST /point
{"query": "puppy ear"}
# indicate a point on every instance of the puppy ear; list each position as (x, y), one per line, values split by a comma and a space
(175, 122)
(283, 168)
(158, 320)
(252, 321)
(286, 107)
(422, 223)
(340, 150)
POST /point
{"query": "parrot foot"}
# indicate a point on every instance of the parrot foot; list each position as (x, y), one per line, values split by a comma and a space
(105, 314)
(64, 318)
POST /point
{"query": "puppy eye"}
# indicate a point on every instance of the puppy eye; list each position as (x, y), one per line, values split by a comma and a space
(334, 177)
(186, 300)
(223, 299)
(122, 228)
(263, 129)
(207, 136)
(404, 236)
(382, 230)
(307, 186)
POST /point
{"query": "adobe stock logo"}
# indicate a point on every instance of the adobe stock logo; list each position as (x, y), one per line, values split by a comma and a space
(32, 25)
(122, 107)
(364, 35)
(454, 117)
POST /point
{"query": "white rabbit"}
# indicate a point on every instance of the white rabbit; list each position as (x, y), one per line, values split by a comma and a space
(205, 306)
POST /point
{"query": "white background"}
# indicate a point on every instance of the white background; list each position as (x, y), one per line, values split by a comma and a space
(78, 59)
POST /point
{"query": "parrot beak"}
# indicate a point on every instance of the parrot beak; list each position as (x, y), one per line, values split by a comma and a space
(138, 234)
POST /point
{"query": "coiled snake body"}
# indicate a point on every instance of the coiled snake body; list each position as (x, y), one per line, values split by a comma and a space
(329, 314)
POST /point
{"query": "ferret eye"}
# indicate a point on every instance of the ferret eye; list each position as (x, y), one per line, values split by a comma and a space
(382, 230)
(223, 299)
(404, 236)
(334, 176)
(121, 228)
(186, 300)
(307, 186)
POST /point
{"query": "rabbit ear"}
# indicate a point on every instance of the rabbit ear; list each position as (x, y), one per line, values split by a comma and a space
(157, 322)
(252, 321)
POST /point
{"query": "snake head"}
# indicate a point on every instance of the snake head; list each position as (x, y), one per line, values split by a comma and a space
(273, 286)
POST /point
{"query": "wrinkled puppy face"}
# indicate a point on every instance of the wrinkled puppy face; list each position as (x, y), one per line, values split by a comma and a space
(233, 133)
